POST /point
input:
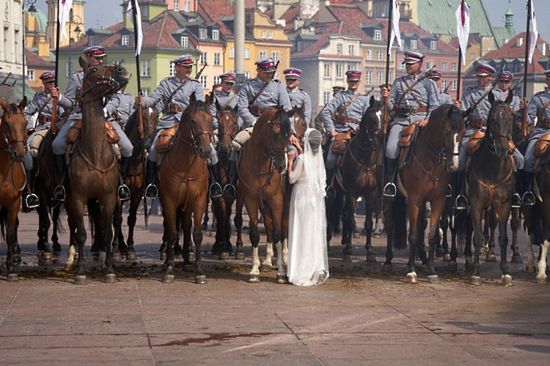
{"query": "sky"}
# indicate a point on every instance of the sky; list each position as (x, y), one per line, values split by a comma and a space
(103, 13)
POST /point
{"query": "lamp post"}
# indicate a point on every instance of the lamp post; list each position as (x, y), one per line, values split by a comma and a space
(31, 9)
(77, 30)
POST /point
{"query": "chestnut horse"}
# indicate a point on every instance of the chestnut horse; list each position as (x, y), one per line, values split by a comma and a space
(261, 186)
(13, 140)
(424, 178)
(183, 185)
(491, 182)
(93, 171)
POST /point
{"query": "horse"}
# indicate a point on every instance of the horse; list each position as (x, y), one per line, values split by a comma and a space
(359, 174)
(13, 142)
(425, 178)
(261, 186)
(183, 183)
(490, 183)
(93, 172)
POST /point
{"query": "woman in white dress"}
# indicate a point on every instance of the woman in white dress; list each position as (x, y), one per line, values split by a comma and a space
(307, 244)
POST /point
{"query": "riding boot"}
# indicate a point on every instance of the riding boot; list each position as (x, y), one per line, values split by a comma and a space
(230, 191)
(331, 192)
(390, 190)
(461, 201)
(528, 197)
(59, 190)
(151, 190)
(215, 190)
(123, 191)
(516, 197)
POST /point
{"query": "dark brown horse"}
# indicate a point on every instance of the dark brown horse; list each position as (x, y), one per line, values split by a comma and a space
(13, 139)
(491, 182)
(183, 185)
(359, 174)
(425, 178)
(261, 186)
(93, 171)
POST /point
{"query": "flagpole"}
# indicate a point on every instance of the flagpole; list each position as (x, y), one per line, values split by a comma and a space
(459, 75)
(527, 46)
(388, 50)
(57, 41)
(386, 112)
(134, 17)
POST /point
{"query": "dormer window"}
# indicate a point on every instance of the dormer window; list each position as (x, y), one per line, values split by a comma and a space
(184, 41)
(177, 5)
(520, 42)
(203, 34)
(125, 40)
(433, 45)
(91, 40)
(215, 35)
(414, 44)
(377, 34)
(339, 49)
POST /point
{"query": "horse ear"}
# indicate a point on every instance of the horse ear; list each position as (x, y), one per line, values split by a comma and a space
(491, 97)
(372, 101)
(82, 63)
(23, 103)
(192, 98)
(303, 109)
(510, 97)
(209, 98)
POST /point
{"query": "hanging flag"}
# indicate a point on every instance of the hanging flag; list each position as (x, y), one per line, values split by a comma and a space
(135, 15)
(463, 27)
(533, 33)
(395, 32)
(64, 11)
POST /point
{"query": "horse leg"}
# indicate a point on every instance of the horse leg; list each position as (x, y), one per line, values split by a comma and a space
(541, 274)
(413, 212)
(490, 226)
(169, 237)
(435, 218)
(531, 240)
(238, 221)
(503, 242)
(13, 256)
(328, 214)
(348, 225)
(422, 223)
(131, 222)
(371, 257)
(515, 223)
(43, 228)
(76, 209)
(389, 226)
(198, 213)
(55, 231)
(117, 244)
(267, 264)
(186, 222)
(477, 216)
(108, 208)
(254, 235)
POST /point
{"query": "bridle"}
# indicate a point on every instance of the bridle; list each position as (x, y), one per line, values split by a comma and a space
(113, 84)
(490, 136)
(194, 141)
(221, 129)
(9, 144)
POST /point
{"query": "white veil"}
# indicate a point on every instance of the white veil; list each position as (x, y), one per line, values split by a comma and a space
(314, 167)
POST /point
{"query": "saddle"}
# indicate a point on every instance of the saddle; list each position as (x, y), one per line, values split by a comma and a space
(407, 135)
(541, 147)
(166, 137)
(241, 138)
(74, 133)
(36, 141)
(340, 142)
(406, 142)
(475, 142)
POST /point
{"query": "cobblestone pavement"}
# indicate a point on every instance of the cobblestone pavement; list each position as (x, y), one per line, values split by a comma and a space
(360, 317)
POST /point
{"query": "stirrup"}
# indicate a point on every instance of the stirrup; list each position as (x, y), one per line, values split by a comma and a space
(229, 191)
(330, 191)
(528, 199)
(32, 201)
(123, 192)
(516, 201)
(461, 203)
(151, 191)
(390, 190)
(449, 193)
(59, 193)
(215, 190)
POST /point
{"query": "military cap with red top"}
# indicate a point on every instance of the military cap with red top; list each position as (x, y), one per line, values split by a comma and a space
(483, 69)
(95, 51)
(292, 73)
(266, 64)
(412, 57)
(434, 74)
(505, 76)
(47, 77)
(228, 77)
(353, 75)
(185, 60)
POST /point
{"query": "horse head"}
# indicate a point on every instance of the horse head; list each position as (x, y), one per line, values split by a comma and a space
(101, 80)
(446, 125)
(14, 129)
(370, 127)
(279, 127)
(499, 125)
(300, 124)
(197, 114)
(227, 127)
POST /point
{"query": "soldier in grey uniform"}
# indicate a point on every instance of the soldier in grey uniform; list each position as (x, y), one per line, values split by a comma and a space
(173, 95)
(444, 97)
(298, 97)
(412, 99)
(504, 86)
(347, 107)
(539, 109)
(95, 55)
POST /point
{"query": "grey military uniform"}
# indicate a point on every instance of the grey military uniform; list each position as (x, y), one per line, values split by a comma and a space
(481, 112)
(352, 105)
(67, 100)
(537, 110)
(445, 98)
(173, 95)
(273, 95)
(298, 97)
(117, 110)
(225, 100)
(414, 105)
(501, 95)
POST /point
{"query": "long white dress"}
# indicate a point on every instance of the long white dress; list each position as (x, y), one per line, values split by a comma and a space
(307, 245)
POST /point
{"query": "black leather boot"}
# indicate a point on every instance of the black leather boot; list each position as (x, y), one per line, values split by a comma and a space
(59, 190)
(229, 190)
(390, 190)
(151, 190)
(123, 191)
(528, 197)
(216, 190)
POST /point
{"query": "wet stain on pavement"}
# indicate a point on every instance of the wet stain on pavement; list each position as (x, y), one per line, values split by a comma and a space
(219, 337)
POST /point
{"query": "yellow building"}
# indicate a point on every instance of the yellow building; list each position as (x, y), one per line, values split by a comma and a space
(73, 25)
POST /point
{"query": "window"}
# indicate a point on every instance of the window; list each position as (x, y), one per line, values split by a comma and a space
(445, 66)
(264, 34)
(246, 53)
(339, 71)
(203, 81)
(339, 49)
(30, 74)
(414, 44)
(379, 76)
(247, 74)
(217, 58)
(91, 40)
(368, 78)
(187, 5)
(453, 85)
(326, 70)
(215, 35)
(232, 52)
(379, 55)
(262, 55)
(443, 84)
(326, 97)
(369, 55)
(276, 55)
(172, 71)
(377, 34)
(145, 91)
(401, 66)
(203, 34)
(125, 40)
(270, 35)
(351, 50)
(203, 58)
(184, 41)
(350, 67)
(453, 66)
(433, 45)
(145, 68)
(428, 65)
(177, 5)
(217, 80)
(472, 56)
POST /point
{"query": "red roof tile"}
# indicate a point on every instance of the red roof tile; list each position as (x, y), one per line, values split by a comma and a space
(214, 10)
(33, 59)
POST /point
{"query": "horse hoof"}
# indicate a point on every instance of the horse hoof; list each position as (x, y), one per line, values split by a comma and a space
(371, 258)
(239, 256)
(188, 267)
(516, 258)
(162, 256)
(530, 268)
(200, 279)
(116, 256)
(131, 255)
(434, 279)
(452, 266)
(168, 278)
(110, 278)
(490, 258)
(12, 277)
(253, 278)
(475, 280)
(506, 280)
(411, 277)
(446, 257)
(386, 267)
(266, 268)
(68, 267)
(346, 258)
(56, 248)
(224, 256)
(282, 279)
(46, 256)
(80, 279)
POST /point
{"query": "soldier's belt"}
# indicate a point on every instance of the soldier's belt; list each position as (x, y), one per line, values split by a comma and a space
(477, 122)
(406, 112)
(173, 108)
(255, 110)
(342, 120)
(544, 122)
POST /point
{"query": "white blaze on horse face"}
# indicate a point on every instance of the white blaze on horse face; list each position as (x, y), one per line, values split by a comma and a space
(379, 116)
(456, 150)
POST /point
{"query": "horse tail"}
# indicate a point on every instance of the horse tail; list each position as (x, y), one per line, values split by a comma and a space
(3, 218)
(400, 223)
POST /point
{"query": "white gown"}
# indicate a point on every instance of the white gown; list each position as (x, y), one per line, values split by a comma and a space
(307, 245)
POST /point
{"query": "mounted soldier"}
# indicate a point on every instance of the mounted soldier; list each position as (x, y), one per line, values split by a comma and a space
(444, 97)
(412, 99)
(298, 97)
(95, 55)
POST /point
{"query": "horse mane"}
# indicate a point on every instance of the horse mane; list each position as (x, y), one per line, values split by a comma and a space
(449, 112)
(198, 105)
(131, 123)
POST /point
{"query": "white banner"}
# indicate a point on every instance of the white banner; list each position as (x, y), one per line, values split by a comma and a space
(395, 32)
(463, 27)
(64, 11)
(533, 33)
(129, 10)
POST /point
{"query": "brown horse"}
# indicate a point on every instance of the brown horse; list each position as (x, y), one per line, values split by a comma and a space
(425, 178)
(93, 172)
(261, 186)
(491, 182)
(183, 184)
(13, 139)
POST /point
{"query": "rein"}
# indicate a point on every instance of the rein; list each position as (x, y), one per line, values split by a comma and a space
(7, 147)
(490, 187)
(441, 155)
(91, 164)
